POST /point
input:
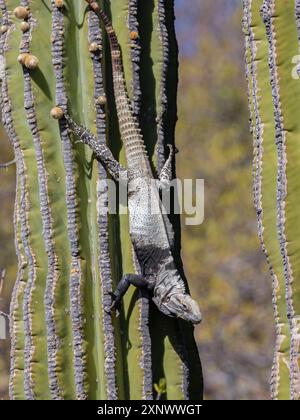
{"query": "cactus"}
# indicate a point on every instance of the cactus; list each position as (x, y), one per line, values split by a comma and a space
(272, 33)
(65, 344)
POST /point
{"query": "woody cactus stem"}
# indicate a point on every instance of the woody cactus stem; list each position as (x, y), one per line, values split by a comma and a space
(65, 343)
(272, 50)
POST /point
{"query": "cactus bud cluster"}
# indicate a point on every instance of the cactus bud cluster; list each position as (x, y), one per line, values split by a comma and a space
(28, 60)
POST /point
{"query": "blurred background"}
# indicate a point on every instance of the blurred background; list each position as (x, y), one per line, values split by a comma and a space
(226, 270)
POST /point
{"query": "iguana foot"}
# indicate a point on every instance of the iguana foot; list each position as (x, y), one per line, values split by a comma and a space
(128, 279)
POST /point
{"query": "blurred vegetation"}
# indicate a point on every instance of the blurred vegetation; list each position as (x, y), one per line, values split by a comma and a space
(222, 257)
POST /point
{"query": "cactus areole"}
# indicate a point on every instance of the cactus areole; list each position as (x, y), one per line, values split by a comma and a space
(56, 68)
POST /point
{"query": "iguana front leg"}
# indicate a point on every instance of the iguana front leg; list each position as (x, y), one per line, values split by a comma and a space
(6, 165)
(101, 151)
(135, 279)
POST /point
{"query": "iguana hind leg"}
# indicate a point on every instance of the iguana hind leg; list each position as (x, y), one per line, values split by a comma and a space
(135, 279)
(166, 174)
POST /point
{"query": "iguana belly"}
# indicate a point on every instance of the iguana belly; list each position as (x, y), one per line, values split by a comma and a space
(147, 225)
(150, 234)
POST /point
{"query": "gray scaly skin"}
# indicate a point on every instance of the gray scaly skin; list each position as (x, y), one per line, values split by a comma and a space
(151, 232)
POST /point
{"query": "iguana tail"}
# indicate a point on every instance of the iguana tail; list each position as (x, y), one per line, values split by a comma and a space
(136, 154)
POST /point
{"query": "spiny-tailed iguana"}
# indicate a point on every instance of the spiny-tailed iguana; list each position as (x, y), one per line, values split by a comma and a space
(151, 232)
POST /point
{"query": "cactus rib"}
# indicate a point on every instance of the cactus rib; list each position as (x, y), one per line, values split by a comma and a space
(146, 346)
(267, 12)
(95, 35)
(285, 180)
(51, 209)
(146, 357)
(66, 344)
(137, 157)
(162, 116)
(52, 276)
(31, 296)
(135, 56)
(28, 310)
(76, 277)
(264, 198)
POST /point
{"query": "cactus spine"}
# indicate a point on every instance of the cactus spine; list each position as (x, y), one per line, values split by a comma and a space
(64, 342)
(272, 43)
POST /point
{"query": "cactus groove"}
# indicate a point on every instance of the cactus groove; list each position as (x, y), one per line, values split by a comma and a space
(65, 343)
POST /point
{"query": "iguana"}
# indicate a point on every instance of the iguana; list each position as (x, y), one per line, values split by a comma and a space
(151, 233)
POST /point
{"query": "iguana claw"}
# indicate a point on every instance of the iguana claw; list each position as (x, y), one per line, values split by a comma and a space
(116, 304)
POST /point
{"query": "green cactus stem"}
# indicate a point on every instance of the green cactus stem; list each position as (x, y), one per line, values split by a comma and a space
(272, 42)
(65, 342)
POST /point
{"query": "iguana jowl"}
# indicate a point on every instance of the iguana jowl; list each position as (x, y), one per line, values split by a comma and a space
(151, 232)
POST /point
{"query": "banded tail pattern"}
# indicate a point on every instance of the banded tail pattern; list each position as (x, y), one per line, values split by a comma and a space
(136, 154)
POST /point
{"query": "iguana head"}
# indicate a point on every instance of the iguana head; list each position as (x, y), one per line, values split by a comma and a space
(180, 305)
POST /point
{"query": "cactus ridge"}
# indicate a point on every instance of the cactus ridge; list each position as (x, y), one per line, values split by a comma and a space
(272, 39)
(164, 100)
(146, 353)
(29, 292)
(146, 345)
(269, 9)
(136, 154)
(53, 272)
(110, 351)
(16, 362)
(135, 44)
(76, 278)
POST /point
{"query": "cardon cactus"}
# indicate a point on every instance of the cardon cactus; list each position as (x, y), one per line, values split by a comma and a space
(272, 30)
(65, 343)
